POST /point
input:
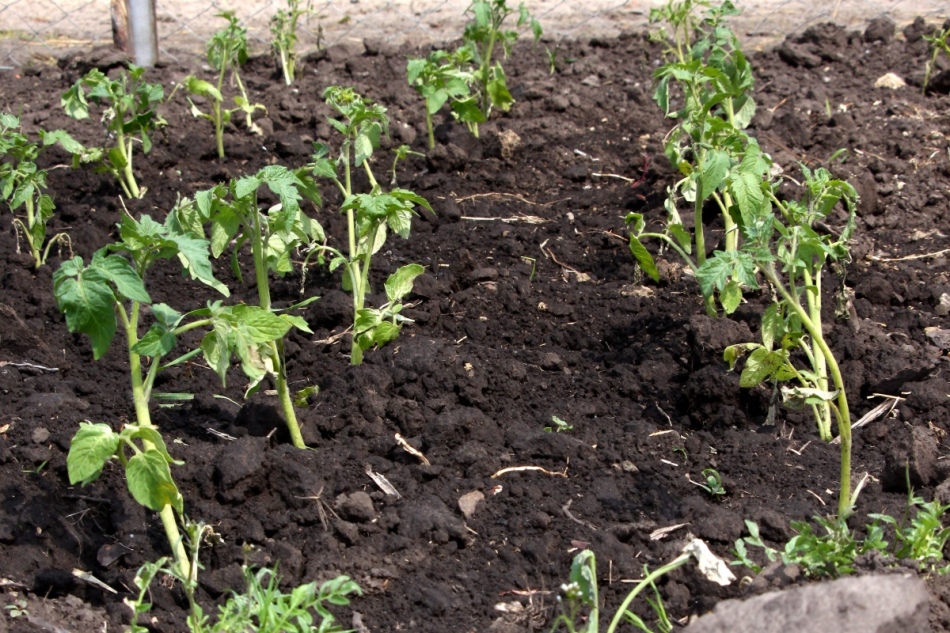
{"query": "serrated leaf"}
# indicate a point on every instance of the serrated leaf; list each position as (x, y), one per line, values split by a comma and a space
(713, 171)
(89, 451)
(400, 282)
(385, 332)
(150, 481)
(760, 366)
(731, 297)
(644, 258)
(118, 270)
(298, 322)
(85, 297)
(259, 325)
(773, 326)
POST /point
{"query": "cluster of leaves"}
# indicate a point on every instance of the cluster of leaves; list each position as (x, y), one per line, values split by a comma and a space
(938, 41)
(832, 551)
(261, 608)
(95, 299)
(226, 51)
(22, 184)
(283, 29)
(708, 146)
(764, 236)
(470, 78)
(233, 215)
(129, 115)
(370, 216)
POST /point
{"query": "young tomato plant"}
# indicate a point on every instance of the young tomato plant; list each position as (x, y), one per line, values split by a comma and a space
(718, 160)
(938, 44)
(129, 115)
(21, 185)
(261, 608)
(444, 77)
(283, 29)
(368, 217)
(783, 245)
(96, 298)
(235, 216)
(227, 51)
(483, 35)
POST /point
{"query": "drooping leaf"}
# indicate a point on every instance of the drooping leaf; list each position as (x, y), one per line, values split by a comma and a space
(399, 284)
(761, 365)
(87, 300)
(150, 481)
(713, 171)
(89, 451)
(644, 258)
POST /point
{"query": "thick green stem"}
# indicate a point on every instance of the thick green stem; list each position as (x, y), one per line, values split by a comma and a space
(285, 66)
(280, 370)
(218, 117)
(484, 71)
(126, 177)
(144, 419)
(429, 129)
(842, 413)
(813, 298)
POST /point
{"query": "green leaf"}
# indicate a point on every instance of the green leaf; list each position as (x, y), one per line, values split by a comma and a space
(773, 327)
(194, 255)
(150, 481)
(712, 172)
(400, 282)
(385, 332)
(644, 258)
(761, 365)
(498, 92)
(682, 237)
(731, 297)
(118, 270)
(89, 451)
(298, 322)
(84, 296)
(734, 352)
(259, 325)
(747, 191)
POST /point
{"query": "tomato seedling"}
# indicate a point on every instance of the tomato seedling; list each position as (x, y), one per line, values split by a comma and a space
(718, 160)
(236, 217)
(226, 51)
(22, 184)
(283, 29)
(368, 217)
(95, 299)
(783, 245)
(445, 77)
(129, 114)
(483, 34)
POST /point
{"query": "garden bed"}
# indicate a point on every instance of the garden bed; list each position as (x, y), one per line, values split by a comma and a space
(531, 307)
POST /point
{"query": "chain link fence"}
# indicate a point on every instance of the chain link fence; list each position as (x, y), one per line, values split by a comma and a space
(41, 30)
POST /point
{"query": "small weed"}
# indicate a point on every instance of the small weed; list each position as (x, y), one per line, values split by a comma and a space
(17, 609)
(938, 43)
(558, 425)
(712, 483)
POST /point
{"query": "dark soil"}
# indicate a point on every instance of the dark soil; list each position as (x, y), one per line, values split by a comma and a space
(501, 343)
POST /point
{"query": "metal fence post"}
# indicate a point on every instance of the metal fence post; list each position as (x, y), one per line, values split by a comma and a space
(133, 30)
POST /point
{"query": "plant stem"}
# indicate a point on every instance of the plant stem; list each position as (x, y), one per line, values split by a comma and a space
(429, 128)
(813, 299)
(842, 414)
(679, 561)
(127, 178)
(263, 294)
(144, 419)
